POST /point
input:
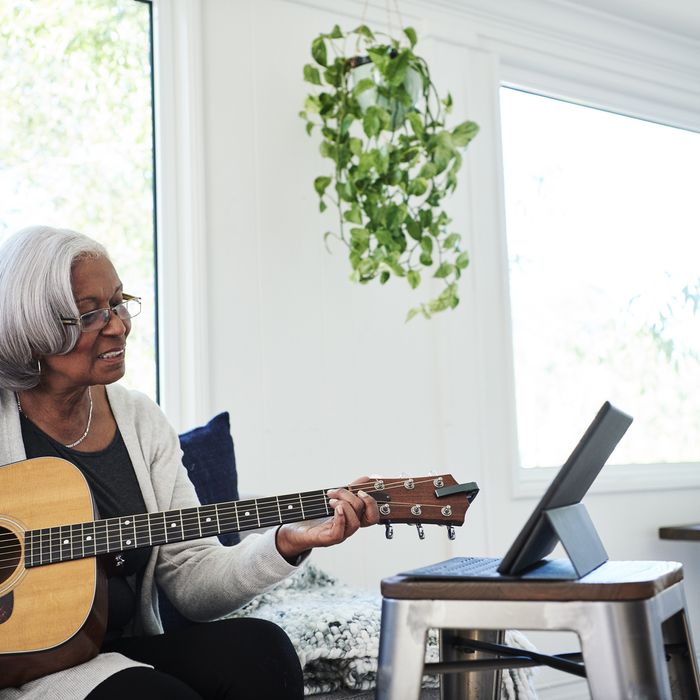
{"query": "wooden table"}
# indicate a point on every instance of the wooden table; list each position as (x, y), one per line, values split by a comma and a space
(680, 532)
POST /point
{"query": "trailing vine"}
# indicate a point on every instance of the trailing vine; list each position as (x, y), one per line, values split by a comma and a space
(382, 124)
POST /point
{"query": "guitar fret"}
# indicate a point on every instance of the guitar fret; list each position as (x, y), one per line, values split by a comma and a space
(128, 531)
(101, 542)
(173, 526)
(114, 539)
(247, 519)
(157, 521)
(291, 509)
(142, 530)
(44, 541)
(191, 527)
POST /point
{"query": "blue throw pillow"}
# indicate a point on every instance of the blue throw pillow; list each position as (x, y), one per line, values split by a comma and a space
(211, 465)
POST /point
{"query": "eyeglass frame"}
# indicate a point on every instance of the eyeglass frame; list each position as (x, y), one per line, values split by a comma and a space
(111, 309)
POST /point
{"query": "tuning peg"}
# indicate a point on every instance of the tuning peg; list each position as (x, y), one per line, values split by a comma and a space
(451, 532)
(421, 532)
(389, 532)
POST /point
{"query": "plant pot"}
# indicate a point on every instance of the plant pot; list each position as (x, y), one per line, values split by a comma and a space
(363, 68)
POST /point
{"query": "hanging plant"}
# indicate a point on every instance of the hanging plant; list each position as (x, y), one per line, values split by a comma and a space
(382, 125)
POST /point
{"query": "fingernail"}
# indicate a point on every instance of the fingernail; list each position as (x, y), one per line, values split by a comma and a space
(361, 494)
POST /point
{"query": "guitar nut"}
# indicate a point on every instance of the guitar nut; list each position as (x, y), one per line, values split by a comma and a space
(447, 510)
(416, 510)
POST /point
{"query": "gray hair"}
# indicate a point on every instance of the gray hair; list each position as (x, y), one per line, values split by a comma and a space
(35, 292)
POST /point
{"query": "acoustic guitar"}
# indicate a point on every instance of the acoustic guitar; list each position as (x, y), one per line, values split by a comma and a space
(53, 592)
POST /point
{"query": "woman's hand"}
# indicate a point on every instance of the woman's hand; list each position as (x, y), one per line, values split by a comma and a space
(351, 511)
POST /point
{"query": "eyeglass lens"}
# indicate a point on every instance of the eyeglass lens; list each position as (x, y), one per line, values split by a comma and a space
(95, 320)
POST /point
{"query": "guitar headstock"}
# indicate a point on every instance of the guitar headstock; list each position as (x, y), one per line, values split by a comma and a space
(434, 500)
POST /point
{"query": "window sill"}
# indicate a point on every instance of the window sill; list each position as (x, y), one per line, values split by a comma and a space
(532, 483)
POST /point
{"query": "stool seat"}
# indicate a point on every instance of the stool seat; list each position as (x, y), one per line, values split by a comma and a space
(624, 612)
(614, 580)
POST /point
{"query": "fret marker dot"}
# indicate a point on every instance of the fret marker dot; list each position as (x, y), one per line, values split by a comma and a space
(207, 520)
(128, 541)
(127, 522)
(173, 525)
(247, 513)
(88, 538)
(66, 541)
(290, 507)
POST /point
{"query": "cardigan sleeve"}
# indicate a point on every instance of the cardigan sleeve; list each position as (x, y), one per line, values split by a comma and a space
(202, 578)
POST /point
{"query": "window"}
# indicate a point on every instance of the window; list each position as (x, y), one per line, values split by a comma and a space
(602, 228)
(76, 144)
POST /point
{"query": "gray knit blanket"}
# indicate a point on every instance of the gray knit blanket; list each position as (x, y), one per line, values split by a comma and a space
(335, 631)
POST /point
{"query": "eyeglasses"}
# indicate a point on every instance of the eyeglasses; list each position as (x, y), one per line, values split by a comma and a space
(96, 320)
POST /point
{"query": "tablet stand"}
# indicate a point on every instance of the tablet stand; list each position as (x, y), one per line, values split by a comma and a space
(575, 530)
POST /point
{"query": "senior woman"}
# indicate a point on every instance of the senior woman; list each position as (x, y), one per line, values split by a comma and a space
(64, 324)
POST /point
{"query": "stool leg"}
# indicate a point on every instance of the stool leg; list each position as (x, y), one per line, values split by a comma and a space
(474, 685)
(682, 667)
(401, 650)
(623, 652)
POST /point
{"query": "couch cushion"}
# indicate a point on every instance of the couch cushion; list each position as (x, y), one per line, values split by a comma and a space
(211, 464)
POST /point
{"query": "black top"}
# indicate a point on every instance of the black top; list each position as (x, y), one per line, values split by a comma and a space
(112, 480)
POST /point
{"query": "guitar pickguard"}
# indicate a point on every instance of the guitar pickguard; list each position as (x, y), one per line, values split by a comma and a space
(6, 605)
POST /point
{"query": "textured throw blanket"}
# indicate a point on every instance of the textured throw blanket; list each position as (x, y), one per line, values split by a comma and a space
(335, 631)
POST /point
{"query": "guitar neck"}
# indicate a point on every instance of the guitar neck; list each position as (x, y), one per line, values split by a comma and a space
(77, 541)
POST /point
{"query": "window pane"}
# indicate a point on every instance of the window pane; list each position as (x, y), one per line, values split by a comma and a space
(603, 221)
(76, 138)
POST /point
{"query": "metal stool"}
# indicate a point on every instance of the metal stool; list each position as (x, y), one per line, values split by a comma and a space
(623, 612)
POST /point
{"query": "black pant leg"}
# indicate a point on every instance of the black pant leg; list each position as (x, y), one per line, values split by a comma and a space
(243, 658)
(140, 683)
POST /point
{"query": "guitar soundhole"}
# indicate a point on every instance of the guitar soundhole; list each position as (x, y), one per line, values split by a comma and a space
(10, 553)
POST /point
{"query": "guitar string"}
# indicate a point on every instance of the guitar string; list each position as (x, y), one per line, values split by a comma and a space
(271, 503)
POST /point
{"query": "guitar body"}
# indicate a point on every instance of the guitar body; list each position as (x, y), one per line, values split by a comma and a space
(51, 617)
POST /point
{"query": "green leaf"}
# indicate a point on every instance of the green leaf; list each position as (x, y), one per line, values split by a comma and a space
(336, 33)
(462, 260)
(447, 102)
(413, 278)
(320, 184)
(365, 31)
(384, 276)
(318, 51)
(311, 74)
(364, 84)
(322, 206)
(410, 32)
(309, 128)
(371, 122)
(381, 60)
(397, 67)
(425, 258)
(464, 133)
(355, 146)
(451, 241)
(418, 187)
(414, 229)
(353, 215)
(312, 104)
(411, 313)
(426, 244)
(416, 124)
(444, 270)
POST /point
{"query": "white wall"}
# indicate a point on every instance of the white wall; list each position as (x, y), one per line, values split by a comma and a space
(323, 379)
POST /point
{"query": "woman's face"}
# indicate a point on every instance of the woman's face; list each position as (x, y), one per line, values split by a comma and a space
(98, 356)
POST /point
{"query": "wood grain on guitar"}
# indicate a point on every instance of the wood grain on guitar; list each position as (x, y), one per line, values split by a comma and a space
(53, 591)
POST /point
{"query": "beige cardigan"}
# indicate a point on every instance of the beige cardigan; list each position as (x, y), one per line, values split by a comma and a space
(202, 578)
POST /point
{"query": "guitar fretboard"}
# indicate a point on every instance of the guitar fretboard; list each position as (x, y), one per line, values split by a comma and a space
(77, 541)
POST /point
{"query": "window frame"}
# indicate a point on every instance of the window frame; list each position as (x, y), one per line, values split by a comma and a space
(180, 211)
(627, 69)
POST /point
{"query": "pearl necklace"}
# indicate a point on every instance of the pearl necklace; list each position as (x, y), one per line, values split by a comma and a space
(87, 427)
